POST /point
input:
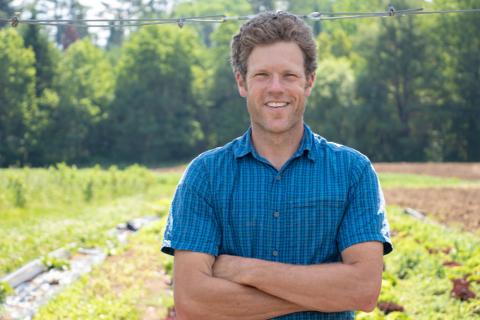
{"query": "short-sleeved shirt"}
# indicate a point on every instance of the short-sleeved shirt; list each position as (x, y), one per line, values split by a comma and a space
(324, 199)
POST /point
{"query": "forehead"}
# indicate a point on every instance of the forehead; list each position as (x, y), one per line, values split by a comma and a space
(279, 55)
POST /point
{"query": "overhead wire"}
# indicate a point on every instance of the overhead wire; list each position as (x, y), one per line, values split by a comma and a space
(220, 18)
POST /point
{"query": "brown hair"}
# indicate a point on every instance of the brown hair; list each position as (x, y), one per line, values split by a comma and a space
(268, 28)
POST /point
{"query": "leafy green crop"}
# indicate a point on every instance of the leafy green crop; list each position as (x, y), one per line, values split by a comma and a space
(419, 273)
(5, 290)
(45, 209)
(122, 287)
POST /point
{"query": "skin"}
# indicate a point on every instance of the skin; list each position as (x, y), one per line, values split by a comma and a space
(276, 76)
(230, 287)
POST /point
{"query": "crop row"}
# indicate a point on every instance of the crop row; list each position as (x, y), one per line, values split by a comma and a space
(44, 209)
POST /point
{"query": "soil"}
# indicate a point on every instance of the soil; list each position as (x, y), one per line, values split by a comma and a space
(457, 206)
(452, 206)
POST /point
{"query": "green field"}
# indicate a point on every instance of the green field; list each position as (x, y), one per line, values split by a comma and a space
(402, 180)
(418, 275)
(44, 209)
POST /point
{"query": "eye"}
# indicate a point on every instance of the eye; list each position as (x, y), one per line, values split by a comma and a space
(291, 76)
(261, 74)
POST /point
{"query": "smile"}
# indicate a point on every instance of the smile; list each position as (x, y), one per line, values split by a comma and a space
(276, 105)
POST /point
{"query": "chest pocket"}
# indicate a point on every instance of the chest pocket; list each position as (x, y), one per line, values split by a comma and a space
(315, 222)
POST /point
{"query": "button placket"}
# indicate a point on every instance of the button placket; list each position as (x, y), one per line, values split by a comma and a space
(275, 214)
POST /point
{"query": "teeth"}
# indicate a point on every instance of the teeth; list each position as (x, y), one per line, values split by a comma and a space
(277, 104)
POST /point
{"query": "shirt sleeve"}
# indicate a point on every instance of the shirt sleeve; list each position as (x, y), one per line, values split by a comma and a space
(191, 222)
(365, 216)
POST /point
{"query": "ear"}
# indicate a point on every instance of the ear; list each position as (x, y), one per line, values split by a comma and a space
(309, 85)
(241, 84)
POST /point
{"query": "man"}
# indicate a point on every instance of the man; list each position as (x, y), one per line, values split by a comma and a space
(279, 223)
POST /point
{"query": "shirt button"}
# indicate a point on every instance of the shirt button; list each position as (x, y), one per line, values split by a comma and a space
(275, 253)
(276, 214)
(278, 178)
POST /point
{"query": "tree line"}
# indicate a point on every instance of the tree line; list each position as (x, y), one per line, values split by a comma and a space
(397, 89)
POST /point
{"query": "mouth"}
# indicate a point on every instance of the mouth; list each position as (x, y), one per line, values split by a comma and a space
(277, 104)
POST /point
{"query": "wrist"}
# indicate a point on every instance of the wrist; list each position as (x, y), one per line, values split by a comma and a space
(249, 271)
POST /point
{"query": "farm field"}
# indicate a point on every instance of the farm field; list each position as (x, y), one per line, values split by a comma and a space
(44, 209)
(432, 274)
(446, 192)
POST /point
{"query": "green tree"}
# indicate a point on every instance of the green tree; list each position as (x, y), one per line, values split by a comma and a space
(85, 86)
(458, 37)
(18, 108)
(329, 111)
(46, 61)
(390, 89)
(6, 11)
(201, 8)
(153, 117)
(228, 116)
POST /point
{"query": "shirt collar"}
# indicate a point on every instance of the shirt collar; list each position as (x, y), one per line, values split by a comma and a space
(244, 144)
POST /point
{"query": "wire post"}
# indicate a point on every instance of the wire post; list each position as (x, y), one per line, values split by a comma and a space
(15, 20)
(391, 10)
(181, 22)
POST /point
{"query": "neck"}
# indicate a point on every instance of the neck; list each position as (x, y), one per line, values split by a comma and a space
(277, 148)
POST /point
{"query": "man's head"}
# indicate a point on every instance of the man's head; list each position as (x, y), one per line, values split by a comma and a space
(269, 28)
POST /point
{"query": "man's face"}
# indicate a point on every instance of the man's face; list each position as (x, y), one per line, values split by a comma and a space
(276, 87)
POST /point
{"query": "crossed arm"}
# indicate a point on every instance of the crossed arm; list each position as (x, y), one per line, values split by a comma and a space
(232, 287)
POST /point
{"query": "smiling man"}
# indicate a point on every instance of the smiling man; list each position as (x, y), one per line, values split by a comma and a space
(279, 223)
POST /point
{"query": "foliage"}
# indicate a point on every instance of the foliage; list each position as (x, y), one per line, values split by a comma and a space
(395, 180)
(17, 99)
(5, 11)
(44, 209)
(121, 288)
(55, 263)
(5, 290)
(331, 105)
(153, 114)
(227, 116)
(46, 58)
(397, 88)
(418, 274)
(85, 84)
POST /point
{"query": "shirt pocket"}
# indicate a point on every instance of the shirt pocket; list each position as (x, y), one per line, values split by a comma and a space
(314, 224)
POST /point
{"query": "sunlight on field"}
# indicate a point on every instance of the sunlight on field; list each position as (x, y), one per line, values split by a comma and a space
(42, 210)
(392, 180)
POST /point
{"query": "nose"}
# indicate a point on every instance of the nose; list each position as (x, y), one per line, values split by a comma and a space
(275, 84)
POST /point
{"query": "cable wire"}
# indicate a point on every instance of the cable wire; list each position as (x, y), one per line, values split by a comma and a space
(315, 16)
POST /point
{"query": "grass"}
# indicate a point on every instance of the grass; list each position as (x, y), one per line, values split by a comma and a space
(395, 180)
(44, 209)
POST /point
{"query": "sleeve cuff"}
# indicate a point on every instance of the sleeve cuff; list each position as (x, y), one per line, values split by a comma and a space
(387, 245)
(169, 247)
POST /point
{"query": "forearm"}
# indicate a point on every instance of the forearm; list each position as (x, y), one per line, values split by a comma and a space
(215, 298)
(325, 287)
(353, 284)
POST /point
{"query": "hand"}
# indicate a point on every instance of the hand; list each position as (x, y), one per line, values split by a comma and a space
(229, 267)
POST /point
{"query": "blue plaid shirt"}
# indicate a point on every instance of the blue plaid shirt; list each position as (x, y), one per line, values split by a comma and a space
(324, 199)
